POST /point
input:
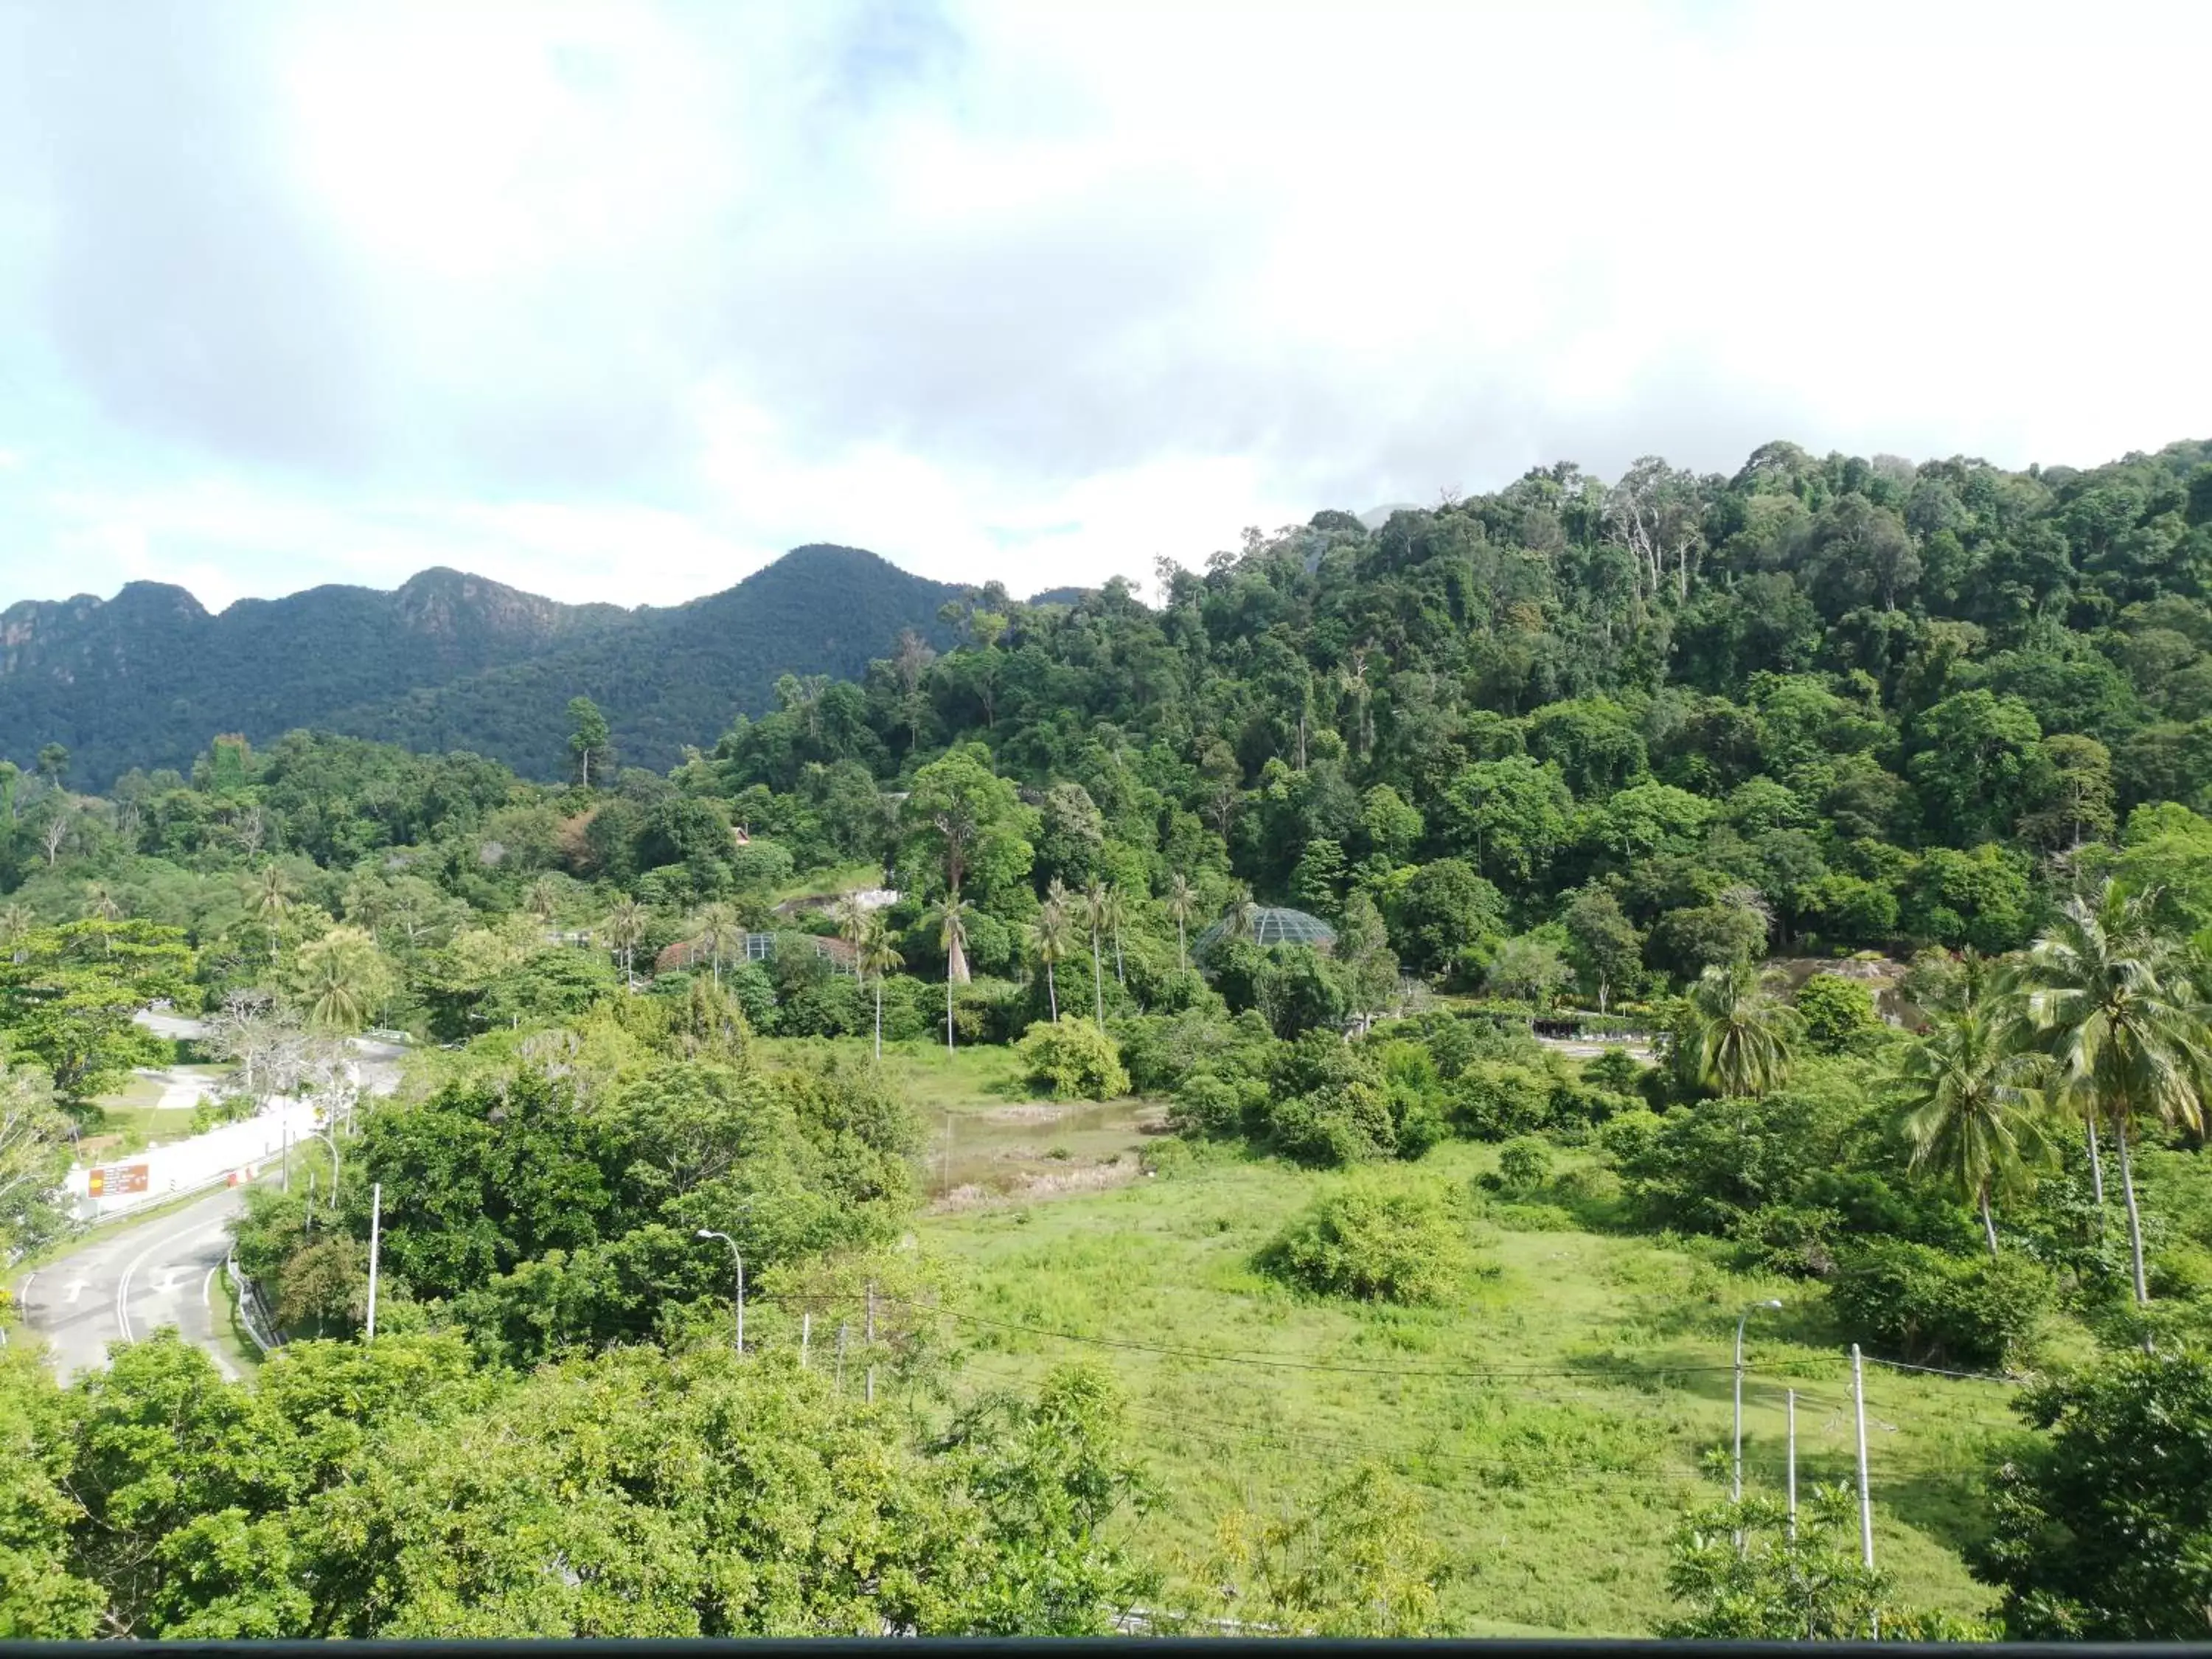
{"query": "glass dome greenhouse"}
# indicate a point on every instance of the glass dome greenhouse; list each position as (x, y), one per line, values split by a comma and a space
(1270, 925)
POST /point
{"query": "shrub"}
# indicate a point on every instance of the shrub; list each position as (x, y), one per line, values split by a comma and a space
(1524, 1166)
(1338, 1123)
(1923, 1306)
(1375, 1240)
(1074, 1059)
(1492, 1101)
(1838, 1013)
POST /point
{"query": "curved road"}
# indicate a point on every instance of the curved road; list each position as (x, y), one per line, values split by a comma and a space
(131, 1282)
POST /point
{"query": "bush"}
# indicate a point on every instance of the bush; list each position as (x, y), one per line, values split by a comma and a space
(1073, 1059)
(1347, 1122)
(1491, 1101)
(1206, 1105)
(1524, 1166)
(1838, 1013)
(1375, 1240)
(1927, 1308)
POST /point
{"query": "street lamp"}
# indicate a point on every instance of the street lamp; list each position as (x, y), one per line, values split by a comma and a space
(1735, 1483)
(707, 1233)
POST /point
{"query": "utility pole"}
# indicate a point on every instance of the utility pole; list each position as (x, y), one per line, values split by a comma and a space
(1735, 1478)
(1866, 1501)
(872, 1342)
(285, 1180)
(844, 1329)
(1793, 1465)
(375, 1240)
(806, 1335)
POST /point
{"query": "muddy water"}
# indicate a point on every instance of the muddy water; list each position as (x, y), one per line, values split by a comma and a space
(1004, 1149)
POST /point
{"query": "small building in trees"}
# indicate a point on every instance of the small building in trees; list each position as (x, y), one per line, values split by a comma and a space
(1267, 925)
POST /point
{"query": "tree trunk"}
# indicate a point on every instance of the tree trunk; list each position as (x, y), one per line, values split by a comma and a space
(879, 1017)
(1051, 993)
(1182, 951)
(2096, 1171)
(956, 964)
(1098, 982)
(1119, 976)
(2134, 1218)
(948, 1014)
(1989, 1225)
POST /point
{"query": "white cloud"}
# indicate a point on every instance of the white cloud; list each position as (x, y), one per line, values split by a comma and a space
(617, 301)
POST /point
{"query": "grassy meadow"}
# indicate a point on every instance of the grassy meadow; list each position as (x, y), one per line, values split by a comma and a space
(1557, 1415)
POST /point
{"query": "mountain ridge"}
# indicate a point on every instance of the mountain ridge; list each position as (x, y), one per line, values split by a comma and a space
(146, 678)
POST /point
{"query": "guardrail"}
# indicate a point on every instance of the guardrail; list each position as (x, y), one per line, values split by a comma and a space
(250, 1303)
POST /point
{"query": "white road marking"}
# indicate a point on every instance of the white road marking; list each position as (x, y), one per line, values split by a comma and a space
(167, 1282)
(207, 1287)
(73, 1290)
(123, 1285)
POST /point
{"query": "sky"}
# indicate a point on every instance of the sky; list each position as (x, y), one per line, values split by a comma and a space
(619, 301)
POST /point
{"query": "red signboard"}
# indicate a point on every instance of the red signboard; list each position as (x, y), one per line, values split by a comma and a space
(118, 1178)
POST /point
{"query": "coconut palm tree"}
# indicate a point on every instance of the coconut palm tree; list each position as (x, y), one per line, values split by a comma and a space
(722, 931)
(877, 954)
(1735, 1038)
(543, 898)
(1117, 912)
(1052, 936)
(1974, 1106)
(851, 919)
(100, 903)
(2113, 1004)
(341, 979)
(625, 926)
(951, 918)
(1095, 903)
(269, 900)
(1181, 903)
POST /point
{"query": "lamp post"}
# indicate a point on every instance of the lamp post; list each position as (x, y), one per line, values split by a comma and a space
(707, 1233)
(1736, 1481)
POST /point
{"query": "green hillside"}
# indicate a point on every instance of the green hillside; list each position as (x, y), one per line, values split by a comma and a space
(147, 678)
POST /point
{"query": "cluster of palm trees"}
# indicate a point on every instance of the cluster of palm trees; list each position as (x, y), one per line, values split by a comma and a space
(2104, 1024)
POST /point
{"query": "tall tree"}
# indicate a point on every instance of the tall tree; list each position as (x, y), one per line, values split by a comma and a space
(341, 980)
(1974, 1106)
(1052, 936)
(952, 917)
(2111, 998)
(1181, 902)
(1735, 1037)
(877, 956)
(626, 927)
(268, 894)
(1095, 905)
(722, 931)
(590, 740)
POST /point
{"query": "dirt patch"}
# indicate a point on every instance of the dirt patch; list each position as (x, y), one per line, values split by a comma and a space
(1070, 1182)
(1036, 1113)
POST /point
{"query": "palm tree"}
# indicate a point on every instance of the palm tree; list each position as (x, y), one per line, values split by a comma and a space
(852, 919)
(339, 980)
(1116, 913)
(1240, 916)
(100, 903)
(1735, 1038)
(2113, 1005)
(1974, 1106)
(269, 899)
(16, 925)
(1095, 904)
(877, 954)
(543, 898)
(951, 918)
(1052, 938)
(720, 929)
(625, 926)
(1182, 902)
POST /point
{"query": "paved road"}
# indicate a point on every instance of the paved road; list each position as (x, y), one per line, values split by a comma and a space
(133, 1282)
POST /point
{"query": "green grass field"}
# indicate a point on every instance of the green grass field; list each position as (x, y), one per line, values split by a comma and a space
(1592, 1386)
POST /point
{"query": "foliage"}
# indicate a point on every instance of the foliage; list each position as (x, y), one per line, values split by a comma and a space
(1928, 1308)
(1376, 1239)
(1838, 1013)
(1073, 1060)
(2103, 1528)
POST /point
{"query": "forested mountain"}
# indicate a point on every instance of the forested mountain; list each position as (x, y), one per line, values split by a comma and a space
(447, 661)
(1697, 761)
